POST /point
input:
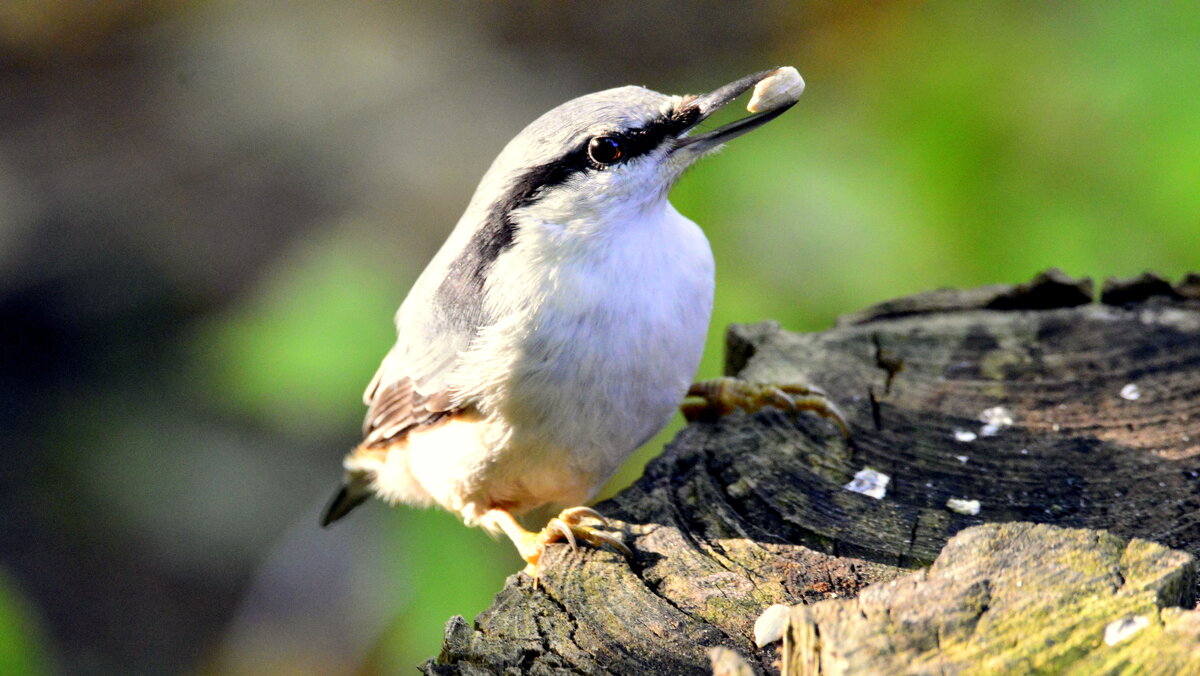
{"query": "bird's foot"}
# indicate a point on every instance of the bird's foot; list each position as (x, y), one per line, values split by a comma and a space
(711, 399)
(566, 526)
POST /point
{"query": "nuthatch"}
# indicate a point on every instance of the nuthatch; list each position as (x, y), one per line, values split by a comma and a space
(559, 326)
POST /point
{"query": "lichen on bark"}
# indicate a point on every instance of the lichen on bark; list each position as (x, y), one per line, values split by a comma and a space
(751, 510)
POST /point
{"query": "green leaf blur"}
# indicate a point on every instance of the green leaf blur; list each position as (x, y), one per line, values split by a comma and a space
(22, 652)
(210, 212)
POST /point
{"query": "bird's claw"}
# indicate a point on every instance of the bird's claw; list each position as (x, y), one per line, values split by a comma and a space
(710, 399)
(567, 526)
(560, 526)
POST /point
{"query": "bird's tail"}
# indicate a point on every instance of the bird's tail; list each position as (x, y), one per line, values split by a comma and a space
(355, 489)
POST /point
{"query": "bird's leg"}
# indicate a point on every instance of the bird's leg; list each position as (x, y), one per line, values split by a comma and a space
(710, 399)
(565, 526)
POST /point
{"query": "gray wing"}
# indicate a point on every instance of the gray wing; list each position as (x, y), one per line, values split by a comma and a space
(435, 325)
(409, 389)
(445, 311)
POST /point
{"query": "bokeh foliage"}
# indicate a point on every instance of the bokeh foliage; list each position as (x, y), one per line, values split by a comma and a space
(939, 144)
(21, 649)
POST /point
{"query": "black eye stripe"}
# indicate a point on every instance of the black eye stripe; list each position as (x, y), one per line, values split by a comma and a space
(641, 141)
(644, 140)
(635, 143)
(460, 295)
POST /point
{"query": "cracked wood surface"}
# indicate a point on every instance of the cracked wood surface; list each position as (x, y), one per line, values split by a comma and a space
(1013, 598)
(750, 510)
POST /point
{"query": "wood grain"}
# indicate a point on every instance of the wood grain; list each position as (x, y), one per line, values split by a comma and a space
(751, 510)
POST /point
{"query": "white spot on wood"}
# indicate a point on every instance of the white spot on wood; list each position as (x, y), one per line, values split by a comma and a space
(870, 483)
(1119, 630)
(769, 626)
(962, 458)
(1131, 392)
(994, 419)
(964, 436)
(963, 506)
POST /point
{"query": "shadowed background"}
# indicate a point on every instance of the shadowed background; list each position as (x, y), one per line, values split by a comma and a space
(209, 212)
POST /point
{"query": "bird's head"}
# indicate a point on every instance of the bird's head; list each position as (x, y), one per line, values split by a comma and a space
(611, 152)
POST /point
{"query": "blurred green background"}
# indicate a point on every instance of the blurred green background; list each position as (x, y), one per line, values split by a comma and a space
(209, 212)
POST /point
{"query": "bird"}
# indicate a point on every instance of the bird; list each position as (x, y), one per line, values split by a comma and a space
(561, 323)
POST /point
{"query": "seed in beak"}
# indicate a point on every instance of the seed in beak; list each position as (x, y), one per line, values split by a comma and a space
(781, 88)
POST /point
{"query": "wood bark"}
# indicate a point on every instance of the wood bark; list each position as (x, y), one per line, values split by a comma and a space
(1095, 412)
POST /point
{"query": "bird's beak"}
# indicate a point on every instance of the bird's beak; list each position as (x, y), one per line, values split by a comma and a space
(701, 107)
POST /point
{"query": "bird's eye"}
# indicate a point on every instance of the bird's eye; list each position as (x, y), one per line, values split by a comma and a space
(605, 150)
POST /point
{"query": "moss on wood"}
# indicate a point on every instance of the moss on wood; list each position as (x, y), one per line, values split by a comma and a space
(751, 510)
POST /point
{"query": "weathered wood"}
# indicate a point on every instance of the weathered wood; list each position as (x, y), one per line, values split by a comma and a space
(1015, 598)
(751, 510)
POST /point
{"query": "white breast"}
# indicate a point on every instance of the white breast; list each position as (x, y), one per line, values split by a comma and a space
(615, 346)
(597, 359)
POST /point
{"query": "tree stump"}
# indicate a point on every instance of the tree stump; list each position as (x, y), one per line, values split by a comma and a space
(1034, 400)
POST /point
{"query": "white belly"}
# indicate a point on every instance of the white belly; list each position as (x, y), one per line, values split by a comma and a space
(597, 367)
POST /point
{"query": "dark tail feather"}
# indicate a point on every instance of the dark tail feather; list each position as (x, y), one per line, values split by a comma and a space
(350, 496)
